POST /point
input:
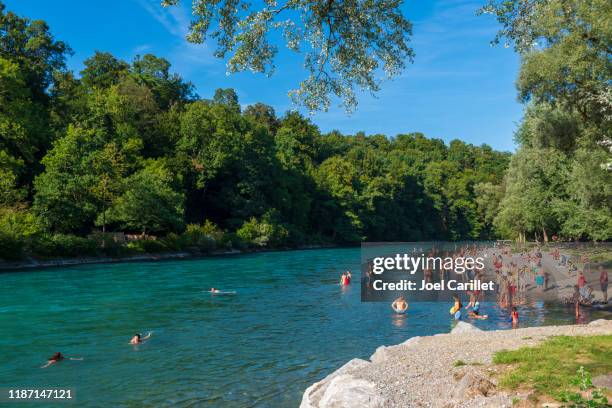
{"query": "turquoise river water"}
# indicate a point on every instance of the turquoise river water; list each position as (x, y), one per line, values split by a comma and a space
(288, 325)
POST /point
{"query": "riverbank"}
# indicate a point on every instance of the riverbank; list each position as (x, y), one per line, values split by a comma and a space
(445, 370)
(33, 263)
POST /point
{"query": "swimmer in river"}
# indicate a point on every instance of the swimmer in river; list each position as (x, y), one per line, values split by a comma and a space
(138, 338)
(213, 290)
(399, 305)
(349, 276)
(475, 312)
(344, 280)
(57, 357)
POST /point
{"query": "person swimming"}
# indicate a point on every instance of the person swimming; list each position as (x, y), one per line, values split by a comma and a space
(475, 312)
(348, 277)
(57, 357)
(399, 305)
(214, 290)
(138, 338)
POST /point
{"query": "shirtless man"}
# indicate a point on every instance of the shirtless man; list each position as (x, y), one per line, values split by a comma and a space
(399, 305)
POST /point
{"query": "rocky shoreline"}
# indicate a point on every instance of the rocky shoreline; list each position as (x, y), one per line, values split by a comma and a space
(421, 372)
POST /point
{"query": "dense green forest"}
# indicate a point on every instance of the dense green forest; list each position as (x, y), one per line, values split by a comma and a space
(131, 147)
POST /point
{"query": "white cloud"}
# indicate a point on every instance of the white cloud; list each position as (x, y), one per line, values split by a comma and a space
(141, 49)
(185, 57)
(174, 19)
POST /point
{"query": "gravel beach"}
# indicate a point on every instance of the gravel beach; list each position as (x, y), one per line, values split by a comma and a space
(421, 372)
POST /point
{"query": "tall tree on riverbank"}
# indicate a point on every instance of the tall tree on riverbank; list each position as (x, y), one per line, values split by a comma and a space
(29, 57)
(565, 78)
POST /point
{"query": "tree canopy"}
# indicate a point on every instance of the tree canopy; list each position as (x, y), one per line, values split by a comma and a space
(345, 43)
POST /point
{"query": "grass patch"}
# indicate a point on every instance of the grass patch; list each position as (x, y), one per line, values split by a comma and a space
(550, 368)
(526, 338)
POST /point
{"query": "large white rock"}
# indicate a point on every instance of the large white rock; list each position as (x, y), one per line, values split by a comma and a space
(600, 322)
(411, 342)
(346, 391)
(314, 395)
(383, 353)
(473, 384)
(463, 327)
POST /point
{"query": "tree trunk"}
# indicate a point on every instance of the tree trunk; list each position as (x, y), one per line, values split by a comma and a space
(545, 235)
(104, 228)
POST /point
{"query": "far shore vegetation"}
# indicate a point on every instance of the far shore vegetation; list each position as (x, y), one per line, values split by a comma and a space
(130, 147)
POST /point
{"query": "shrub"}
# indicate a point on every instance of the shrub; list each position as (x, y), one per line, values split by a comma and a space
(12, 248)
(201, 236)
(267, 232)
(107, 245)
(61, 245)
(112, 248)
(17, 227)
(176, 242)
(147, 246)
(231, 240)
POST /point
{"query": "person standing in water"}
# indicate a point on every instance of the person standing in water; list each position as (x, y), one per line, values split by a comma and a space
(603, 282)
(344, 280)
(138, 338)
(576, 299)
(399, 305)
(455, 311)
(514, 316)
(57, 357)
(581, 280)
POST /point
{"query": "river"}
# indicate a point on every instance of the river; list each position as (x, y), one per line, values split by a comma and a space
(288, 325)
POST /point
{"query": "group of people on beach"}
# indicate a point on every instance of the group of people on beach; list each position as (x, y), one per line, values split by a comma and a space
(514, 272)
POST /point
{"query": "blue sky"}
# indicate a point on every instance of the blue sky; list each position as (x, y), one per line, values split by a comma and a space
(458, 87)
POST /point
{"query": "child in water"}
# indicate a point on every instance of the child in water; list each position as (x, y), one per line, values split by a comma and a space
(455, 311)
(475, 312)
(515, 316)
